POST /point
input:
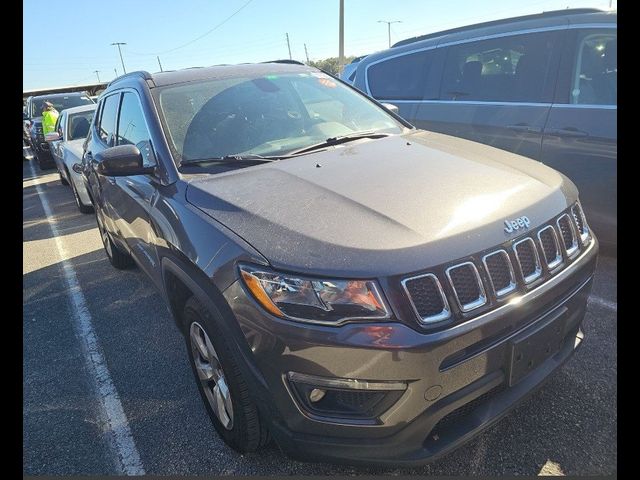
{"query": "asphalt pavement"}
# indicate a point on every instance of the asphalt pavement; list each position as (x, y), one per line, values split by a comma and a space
(568, 427)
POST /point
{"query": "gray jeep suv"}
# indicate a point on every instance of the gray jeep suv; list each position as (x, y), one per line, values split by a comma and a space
(354, 288)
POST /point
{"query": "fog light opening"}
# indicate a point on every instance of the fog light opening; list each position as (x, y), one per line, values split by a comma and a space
(316, 395)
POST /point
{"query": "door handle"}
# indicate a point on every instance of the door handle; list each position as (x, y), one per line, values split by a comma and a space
(520, 127)
(568, 132)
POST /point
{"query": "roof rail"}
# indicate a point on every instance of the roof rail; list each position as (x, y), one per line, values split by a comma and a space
(139, 73)
(294, 62)
(551, 13)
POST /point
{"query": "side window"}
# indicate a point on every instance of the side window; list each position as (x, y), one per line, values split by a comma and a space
(132, 129)
(595, 72)
(59, 123)
(400, 78)
(514, 68)
(106, 128)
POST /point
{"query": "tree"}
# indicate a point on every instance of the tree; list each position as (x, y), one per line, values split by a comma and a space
(330, 65)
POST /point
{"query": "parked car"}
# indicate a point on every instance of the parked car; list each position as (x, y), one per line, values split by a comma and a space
(358, 289)
(32, 119)
(349, 71)
(66, 146)
(543, 86)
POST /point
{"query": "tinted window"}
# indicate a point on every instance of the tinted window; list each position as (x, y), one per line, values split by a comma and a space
(107, 125)
(516, 68)
(595, 74)
(132, 129)
(400, 78)
(79, 125)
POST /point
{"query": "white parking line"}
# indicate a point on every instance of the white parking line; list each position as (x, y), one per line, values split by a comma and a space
(604, 303)
(115, 421)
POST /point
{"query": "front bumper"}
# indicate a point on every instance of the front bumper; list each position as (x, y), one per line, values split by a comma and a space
(459, 381)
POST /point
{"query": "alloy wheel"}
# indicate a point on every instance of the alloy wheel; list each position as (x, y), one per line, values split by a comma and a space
(211, 375)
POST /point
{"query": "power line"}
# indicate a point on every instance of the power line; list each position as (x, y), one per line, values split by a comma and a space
(203, 35)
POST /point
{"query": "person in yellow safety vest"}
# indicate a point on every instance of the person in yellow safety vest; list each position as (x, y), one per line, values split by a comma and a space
(49, 118)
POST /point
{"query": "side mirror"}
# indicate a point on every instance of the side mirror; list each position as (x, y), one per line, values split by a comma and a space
(391, 107)
(76, 167)
(121, 161)
(52, 136)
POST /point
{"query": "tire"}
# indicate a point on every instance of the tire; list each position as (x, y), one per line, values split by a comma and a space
(81, 206)
(117, 257)
(63, 180)
(246, 431)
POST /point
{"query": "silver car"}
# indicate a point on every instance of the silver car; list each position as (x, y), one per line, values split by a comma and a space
(65, 144)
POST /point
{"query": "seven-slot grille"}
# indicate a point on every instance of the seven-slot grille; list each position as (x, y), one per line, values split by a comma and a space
(550, 246)
(541, 253)
(568, 234)
(581, 223)
(500, 272)
(427, 298)
(467, 286)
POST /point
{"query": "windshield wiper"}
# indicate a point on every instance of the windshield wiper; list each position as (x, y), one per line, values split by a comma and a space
(230, 159)
(329, 142)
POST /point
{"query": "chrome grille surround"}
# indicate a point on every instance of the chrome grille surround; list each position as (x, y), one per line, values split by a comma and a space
(537, 271)
(557, 260)
(573, 249)
(482, 297)
(581, 223)
(494, 266)
(512, 283)
(442, 315)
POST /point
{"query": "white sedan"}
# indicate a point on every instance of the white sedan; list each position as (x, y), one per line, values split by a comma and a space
(66, 144)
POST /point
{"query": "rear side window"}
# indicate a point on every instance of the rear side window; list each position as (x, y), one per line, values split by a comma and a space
(514, 68)
(400, 78)
(132, 129)
(595, 73)
(107, 126)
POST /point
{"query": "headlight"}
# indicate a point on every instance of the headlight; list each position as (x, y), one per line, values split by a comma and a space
(329, 302)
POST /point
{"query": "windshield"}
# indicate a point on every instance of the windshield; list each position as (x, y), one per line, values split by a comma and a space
(60, 103)
(265, 115)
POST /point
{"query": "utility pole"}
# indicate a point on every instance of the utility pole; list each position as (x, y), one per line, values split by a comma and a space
(158, 57)
(97, 75)
(389, 27)
(288, 45)
(341, 38)
(120, 52)
(306, 53)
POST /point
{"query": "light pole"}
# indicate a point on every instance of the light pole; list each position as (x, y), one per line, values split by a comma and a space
(389, 27)
(97, 72)
(341, 38)
(120, 52)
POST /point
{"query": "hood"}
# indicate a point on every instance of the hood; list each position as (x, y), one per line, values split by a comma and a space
(382, 207)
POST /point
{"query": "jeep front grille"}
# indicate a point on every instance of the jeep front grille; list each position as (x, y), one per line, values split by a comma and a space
(550, 247)
(568, 234)
(427, 298)
(500, 272)
(467, 286)
(528, 259)
(537, 255)
(581, 222)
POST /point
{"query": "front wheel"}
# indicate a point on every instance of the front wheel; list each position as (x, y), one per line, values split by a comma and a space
(224, 391)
